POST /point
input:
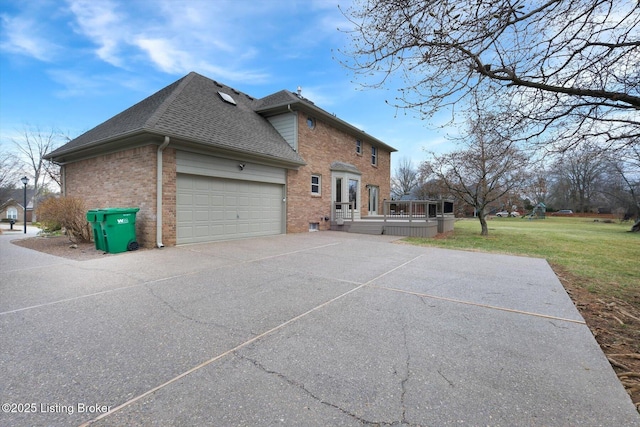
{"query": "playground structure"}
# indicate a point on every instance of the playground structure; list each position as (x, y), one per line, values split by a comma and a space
(539, 212)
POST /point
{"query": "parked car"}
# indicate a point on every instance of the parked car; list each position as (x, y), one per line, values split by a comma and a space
(505, 214)
(563, 212)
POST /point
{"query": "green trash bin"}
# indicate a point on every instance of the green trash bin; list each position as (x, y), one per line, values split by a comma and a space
(119, 229)
(96, 217)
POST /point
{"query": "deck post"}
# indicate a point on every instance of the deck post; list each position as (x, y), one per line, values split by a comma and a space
(384, 209)
(410, 211)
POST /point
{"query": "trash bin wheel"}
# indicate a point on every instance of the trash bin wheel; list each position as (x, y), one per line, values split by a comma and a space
(132, 246)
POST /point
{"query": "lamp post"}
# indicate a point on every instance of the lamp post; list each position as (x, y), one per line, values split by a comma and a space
(25, 180)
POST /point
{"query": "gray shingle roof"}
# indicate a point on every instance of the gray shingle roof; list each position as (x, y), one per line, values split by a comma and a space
(279, 98)
(192, 110)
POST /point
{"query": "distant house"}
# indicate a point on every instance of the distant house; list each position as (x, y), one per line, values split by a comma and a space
(13, 206)
(206, 162)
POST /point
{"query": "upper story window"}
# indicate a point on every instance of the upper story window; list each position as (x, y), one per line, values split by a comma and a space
(311, 122)
(358, 146)
(374, 156)
(315, 185)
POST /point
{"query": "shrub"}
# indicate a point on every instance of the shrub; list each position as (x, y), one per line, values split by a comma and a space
(68, 213)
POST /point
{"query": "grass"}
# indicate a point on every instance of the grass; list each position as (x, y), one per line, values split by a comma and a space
(604, 257)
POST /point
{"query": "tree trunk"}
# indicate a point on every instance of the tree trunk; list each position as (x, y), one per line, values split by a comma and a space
(636, 226)
(483, 224)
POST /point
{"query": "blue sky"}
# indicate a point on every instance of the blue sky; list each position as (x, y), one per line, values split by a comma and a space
(72, 64)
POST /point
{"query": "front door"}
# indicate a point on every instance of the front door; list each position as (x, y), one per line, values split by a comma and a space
(373, 199)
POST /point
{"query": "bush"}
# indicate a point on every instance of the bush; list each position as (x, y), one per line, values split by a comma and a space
(68, 213)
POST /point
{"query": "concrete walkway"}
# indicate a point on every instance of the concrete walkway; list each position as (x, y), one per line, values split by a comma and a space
(314, 329)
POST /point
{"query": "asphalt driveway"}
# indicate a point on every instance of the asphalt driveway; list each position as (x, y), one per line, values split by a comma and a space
(312, 329)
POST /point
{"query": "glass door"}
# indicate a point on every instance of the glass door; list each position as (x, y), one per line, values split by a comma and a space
(373, 199)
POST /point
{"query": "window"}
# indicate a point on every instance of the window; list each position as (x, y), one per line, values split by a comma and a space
(353, 192)
(311, 122)
(315, 184)
(12, 213)
(374, 156)
(314, 226)
(358, 146)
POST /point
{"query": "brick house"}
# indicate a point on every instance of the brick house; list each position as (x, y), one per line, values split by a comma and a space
(13, 207)
(226, 165)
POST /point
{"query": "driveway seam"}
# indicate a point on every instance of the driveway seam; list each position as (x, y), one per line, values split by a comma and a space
(476, 304)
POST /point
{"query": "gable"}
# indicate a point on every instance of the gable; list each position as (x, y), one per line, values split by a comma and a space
(287, 126)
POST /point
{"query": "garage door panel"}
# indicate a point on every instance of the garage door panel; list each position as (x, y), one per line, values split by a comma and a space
(211, 209)
(201, 200)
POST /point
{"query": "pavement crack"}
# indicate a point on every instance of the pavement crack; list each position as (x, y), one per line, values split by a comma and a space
(445, 378)
(301, 386)
(405, 379)
(179, 313)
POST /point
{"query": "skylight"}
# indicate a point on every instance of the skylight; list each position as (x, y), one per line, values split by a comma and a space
(227, 98)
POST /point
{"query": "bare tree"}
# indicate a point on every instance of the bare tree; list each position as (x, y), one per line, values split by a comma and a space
(32, 146)
(487, 169)
(405, 178)
(536, 189)
(580, 175)
(623, 183)
(9, 174)
(569, 69)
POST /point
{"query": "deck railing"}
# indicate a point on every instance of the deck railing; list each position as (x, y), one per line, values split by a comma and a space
(416, 210)
(343, 211)
(402, 210)
(411, 210)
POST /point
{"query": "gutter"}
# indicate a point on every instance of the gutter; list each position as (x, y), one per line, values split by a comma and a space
(161, 148)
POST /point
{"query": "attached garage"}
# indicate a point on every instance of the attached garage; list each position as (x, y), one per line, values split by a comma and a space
(219, 200)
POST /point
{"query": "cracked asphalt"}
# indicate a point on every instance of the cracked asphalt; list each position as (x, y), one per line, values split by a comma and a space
(316, 329)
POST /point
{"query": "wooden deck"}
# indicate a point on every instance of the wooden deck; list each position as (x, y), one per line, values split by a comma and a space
(412, 218)
(396, 227)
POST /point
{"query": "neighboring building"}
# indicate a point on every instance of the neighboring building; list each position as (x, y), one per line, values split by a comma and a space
(13, 207)
(231, 166)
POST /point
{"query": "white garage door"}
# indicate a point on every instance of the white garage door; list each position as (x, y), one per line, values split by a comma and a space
(211, 209)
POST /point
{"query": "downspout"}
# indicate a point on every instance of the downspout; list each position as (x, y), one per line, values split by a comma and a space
(159, 193)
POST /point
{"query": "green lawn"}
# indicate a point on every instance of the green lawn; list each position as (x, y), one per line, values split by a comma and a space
(605, 257)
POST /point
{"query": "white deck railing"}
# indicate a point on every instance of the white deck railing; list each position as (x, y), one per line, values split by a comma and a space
(410, 210)
(397, 210)
(343, 211)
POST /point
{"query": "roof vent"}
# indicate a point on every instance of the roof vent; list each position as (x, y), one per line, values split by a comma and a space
(300, 91)
(227, 98)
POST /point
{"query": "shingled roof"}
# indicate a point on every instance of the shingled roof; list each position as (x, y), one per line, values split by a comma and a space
(192, 110)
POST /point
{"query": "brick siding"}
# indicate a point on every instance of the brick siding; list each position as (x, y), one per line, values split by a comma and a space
(320, 147)
(128, 179)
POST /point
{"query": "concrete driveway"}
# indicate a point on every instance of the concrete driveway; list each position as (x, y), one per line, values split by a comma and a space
(314, 329)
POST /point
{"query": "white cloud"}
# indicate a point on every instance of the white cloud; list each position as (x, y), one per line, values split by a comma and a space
(22, 36)
(164, 55)
(103, 25)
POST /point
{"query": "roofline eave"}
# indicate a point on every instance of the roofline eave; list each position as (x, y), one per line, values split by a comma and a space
(334, 120)
(144, 137)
